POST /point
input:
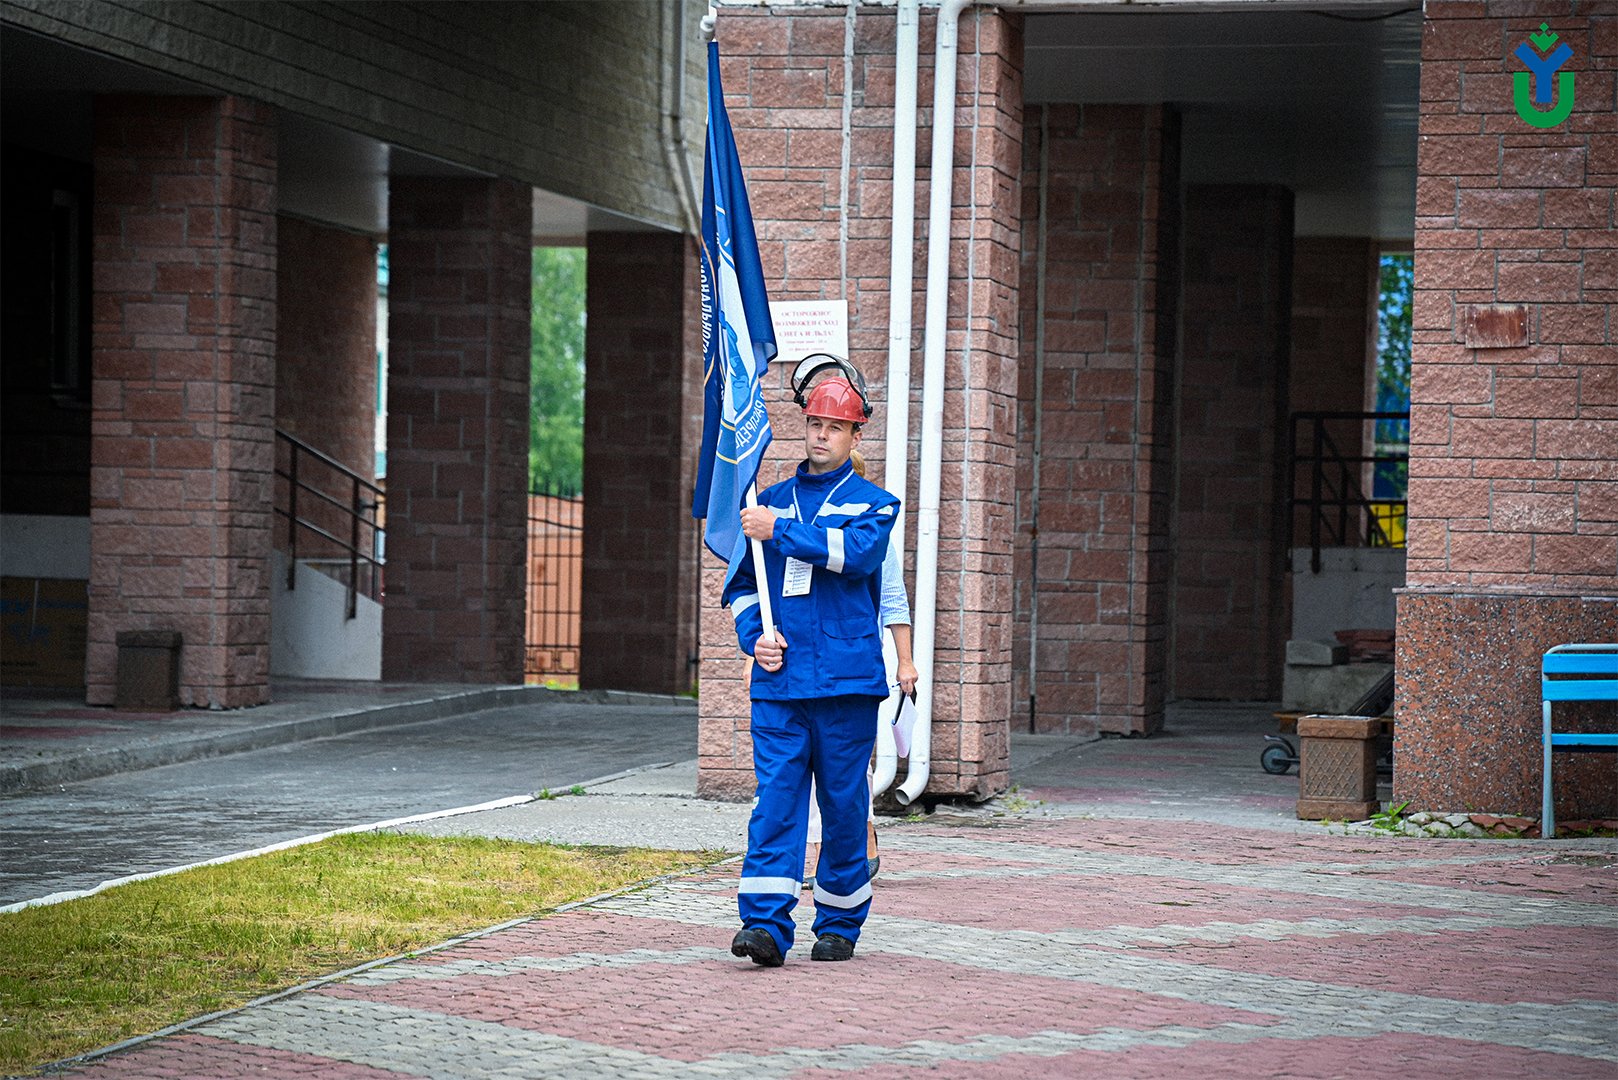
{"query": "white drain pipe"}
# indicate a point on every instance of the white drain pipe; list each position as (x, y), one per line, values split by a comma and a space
(932, 393)
(901, 277)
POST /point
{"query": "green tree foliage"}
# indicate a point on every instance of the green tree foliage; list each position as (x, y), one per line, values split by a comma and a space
(556, 386)
(1394, 297)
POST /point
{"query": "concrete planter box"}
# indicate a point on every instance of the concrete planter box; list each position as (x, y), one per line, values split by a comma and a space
(1337, 767)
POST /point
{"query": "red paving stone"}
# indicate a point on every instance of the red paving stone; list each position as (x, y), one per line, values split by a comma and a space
(198, 1057)
(950, 964)
(1062, 901)
(873, 1001)
(1547, 964)
(24, 731)
(1539, 880)
(1211, 842)
(1416, 1056)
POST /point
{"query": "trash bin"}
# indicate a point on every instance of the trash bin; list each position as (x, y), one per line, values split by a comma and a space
(148, 671)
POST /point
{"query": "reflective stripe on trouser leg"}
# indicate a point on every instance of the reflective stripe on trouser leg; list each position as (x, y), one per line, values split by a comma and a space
(843, 734)
(772, 871)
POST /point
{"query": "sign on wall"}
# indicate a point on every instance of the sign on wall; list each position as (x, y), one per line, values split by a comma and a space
(803, 327)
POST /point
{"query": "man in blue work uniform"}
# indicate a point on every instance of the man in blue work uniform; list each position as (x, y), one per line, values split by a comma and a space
(816, 686)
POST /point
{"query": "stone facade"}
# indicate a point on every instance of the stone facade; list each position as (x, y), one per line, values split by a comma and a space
(1514, 413)
(325, 375)
(458, 339)
(1335, 289)
(1100, 256)
(183, 393)
(325, 356)
(787, 75)
(643, 355)
(1231, 535)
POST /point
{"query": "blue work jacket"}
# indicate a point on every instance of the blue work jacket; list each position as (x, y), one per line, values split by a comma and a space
(838, 523)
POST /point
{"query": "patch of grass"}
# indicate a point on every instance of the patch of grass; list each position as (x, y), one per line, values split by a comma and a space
(1390, 820)
(82, 974)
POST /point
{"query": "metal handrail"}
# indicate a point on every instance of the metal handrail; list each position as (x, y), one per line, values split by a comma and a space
(357, 507)
(1333, 481)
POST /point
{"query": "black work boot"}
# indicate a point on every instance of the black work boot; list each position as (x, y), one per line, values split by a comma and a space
(755, 943)
(832, 947)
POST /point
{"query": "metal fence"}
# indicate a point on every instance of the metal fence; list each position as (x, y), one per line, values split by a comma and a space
(555, 562)
(1342, 496)
(334, 518)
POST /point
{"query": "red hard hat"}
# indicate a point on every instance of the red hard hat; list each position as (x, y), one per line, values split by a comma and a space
(836, 399)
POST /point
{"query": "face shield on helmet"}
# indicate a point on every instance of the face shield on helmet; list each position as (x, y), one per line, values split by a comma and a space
(840, 397)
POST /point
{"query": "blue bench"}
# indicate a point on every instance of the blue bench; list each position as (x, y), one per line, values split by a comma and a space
(1586, 673)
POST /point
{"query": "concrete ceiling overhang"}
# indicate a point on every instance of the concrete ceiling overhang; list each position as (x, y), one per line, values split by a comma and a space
(325, 173)
(1324, 102)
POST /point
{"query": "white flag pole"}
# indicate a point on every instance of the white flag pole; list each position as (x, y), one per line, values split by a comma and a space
(764, 610)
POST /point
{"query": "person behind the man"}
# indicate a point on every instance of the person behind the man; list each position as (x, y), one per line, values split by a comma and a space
(816, 686)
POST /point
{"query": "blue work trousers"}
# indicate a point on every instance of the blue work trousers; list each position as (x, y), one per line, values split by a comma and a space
(832, 739)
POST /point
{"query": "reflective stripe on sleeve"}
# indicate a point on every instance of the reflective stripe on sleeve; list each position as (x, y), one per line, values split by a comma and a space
(742, 603)
(834, 550)
(853, 900)
(775, 886)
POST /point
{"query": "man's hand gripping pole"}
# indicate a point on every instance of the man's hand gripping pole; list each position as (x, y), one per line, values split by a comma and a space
(765, 612)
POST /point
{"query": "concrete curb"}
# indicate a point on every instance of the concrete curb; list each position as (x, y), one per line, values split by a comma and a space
(15, 779)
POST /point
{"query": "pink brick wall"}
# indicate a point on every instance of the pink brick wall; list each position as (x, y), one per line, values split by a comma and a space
(1096, 603)
(184, 370)
(1513, 474)
(1334, 343)
(1514, 435)
(325, 368)
(1334, 323)
(459, 256)
(1230, 535)
(642, 362)
(325, 387)
(786, 80)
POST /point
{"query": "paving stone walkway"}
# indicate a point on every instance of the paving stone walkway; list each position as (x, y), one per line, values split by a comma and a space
(1058, 935)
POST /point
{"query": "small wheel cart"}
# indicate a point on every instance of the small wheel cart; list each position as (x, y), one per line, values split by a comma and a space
(1280, 753)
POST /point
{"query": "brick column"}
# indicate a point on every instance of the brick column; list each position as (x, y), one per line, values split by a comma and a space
(1334, 293)
(184, 377)
(786, 77)
(1230, 540)
(1334, 342)
(1513, 543)
(643, 370)
(325, 390)
(459, 253)
(1096, 605)
(325, 385)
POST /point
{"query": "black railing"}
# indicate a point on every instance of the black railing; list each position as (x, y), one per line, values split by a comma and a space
(555, 564)
(325, 499)
(1338, 510)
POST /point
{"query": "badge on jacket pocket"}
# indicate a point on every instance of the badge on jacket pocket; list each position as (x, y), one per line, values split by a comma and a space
(799, 576)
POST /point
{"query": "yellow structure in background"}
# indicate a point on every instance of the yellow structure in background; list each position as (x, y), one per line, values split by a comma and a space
(1391, 518)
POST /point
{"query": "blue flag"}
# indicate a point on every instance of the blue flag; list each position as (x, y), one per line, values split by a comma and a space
(738, 339)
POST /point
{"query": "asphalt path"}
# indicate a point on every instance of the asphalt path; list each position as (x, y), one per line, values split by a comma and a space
(81, 834)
